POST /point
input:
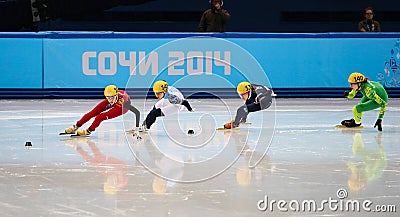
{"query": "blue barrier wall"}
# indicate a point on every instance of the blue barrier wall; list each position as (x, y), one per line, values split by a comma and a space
(21, 63)
(81, 64)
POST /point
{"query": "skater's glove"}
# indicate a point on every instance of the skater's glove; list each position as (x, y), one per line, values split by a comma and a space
(228, 125)
(346, 93)
(174, 99)
(378, 124)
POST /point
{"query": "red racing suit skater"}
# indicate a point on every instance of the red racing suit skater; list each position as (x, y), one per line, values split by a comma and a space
(104, 110)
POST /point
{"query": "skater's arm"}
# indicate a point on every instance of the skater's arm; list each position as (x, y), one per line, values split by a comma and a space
(352, 94)
(137, 114)
(133, 109)
(382, 112)
(381, 102)
(187, 105)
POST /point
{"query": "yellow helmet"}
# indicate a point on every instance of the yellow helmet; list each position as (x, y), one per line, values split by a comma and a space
(160, 86)
(111, 90)
(243, 87)
(356, 77)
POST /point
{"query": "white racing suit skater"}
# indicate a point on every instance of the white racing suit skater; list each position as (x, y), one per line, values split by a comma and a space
(170, 102)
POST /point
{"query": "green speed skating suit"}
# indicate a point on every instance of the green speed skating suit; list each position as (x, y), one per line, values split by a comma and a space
(374, 96)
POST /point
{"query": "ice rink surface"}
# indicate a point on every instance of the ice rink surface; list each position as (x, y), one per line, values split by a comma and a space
(309, 167)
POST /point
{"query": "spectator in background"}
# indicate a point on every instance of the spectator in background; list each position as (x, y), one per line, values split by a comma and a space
(369, 24)
(215, 18)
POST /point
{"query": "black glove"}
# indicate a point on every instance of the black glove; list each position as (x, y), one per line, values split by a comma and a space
(346, 93)
(378, 124)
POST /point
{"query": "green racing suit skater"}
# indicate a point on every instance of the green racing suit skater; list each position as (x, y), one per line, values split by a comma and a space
(374, 96)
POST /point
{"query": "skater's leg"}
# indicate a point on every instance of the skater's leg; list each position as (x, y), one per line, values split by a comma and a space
(364, 99)
(243, 111)
(102, 106)
(110, 114)
(253, 107)
(162, 103)
(151, 117)
(266, 102)
(362, 107)
(170, 109)
(161, 108)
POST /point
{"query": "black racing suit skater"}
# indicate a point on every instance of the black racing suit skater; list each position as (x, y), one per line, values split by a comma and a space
(256, 97)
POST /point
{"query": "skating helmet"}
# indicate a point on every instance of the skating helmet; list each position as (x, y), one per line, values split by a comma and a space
(356, 77)
(111, 90)
(243, 87)
(160, 86)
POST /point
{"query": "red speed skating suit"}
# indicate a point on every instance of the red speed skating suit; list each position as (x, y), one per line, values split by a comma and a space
(104, 110)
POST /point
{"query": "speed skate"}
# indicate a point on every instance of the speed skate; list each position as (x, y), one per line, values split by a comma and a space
(64, 133)
(133, 131)
(72, 134)
(339, 126)
(225, 129)
(77, 135)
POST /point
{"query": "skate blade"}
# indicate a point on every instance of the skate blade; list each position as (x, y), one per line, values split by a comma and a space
(349, 128)
(246, 123)
(136, 132)
(224, 129)
(64, 133)
(76, 135)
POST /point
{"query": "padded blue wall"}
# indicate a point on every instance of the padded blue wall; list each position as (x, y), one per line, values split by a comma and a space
(81, 64)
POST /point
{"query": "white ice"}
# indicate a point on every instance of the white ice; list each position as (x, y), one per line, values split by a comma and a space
(291, 152)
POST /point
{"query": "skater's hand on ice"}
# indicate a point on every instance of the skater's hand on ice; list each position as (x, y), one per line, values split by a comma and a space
(378, 124)
(228, 125)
